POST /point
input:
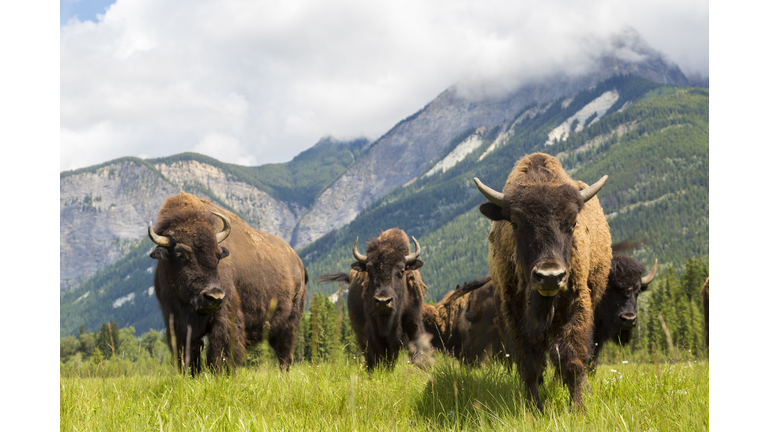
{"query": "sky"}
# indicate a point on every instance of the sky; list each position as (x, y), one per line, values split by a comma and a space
(254, 82)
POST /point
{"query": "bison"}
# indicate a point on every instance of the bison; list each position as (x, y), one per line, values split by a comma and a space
(616, 313)
(464, 324)
(385, 297)
(549, 254)
(220, 278)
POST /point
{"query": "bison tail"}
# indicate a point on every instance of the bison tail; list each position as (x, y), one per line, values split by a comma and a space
(333, 277)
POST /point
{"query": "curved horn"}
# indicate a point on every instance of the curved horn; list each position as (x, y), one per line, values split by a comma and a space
(157, 238)
(362, 259)
(493, 196)
(412, 257)
(591, 191)
(220, 237)
(649, 277)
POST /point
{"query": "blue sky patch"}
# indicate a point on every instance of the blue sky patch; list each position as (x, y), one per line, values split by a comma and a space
(84, 9)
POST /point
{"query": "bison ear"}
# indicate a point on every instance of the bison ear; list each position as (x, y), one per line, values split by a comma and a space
(160, 253)
(414, 265)
(491, 211)
(224, 253)
(643, 288)
(357, 266)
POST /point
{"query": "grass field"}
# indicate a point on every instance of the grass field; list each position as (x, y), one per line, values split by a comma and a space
(343, 396)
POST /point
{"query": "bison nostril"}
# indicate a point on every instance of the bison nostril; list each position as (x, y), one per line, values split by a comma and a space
(215, 294)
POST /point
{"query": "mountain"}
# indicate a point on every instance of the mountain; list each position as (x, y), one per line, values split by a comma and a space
(650, 138)
(402, 153)
(105, 209)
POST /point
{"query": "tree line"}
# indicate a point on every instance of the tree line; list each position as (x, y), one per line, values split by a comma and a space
(670, 326)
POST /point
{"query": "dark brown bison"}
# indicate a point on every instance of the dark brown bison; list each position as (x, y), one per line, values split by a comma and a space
(705, 303)
(464, 323)
(220, 278)
(616, 313)
(385, 297)
(550, 254)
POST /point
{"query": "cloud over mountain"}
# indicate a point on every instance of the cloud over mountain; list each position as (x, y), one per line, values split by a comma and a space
(257, 82)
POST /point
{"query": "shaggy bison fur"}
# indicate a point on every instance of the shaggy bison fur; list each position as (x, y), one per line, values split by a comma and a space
(464, 323)
(220, 278)
(549, 254)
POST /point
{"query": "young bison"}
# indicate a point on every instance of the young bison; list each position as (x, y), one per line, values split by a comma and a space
(550, 253)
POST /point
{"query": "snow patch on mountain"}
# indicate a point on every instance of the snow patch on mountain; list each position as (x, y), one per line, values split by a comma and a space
(122, 300)
(599, 106)
(457, 155)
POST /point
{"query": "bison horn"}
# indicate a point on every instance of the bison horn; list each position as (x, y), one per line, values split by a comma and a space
(591, 191)
(412, 257)
(648, 278)
(157, 238)
(362, 259)
(493, 196)
(220, 237)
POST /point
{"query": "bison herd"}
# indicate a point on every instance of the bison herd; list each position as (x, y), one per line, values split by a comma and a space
(556, 288)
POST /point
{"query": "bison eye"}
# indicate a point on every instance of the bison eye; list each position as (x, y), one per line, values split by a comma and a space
(514, 225)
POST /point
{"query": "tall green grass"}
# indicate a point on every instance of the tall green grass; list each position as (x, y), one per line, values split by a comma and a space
(343, 396)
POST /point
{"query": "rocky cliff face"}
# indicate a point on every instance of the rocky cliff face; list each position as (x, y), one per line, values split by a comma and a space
(258, 209)
(103, 212)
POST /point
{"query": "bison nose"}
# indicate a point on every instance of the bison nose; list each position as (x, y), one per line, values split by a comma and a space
(548, 279)
(628, 319)
(212, 299)
(214, 294)
(383, 305)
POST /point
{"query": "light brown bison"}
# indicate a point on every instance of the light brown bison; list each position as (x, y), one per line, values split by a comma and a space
(385, 297)
(550, 254)
(464, 323)
(616, 313)
(220, 278)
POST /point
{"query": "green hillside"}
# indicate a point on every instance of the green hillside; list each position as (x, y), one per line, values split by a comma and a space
(655, 151)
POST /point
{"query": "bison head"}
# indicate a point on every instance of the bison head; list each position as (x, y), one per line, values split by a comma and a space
(543, 215)
(387, 259)
(188, 255)
(617, 310)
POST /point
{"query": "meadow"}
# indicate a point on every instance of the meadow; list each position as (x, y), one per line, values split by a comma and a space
(628, 393)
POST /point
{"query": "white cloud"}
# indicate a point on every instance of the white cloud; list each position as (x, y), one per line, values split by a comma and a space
(246, 81)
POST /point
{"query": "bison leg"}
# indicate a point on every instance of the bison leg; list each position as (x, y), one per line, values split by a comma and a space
(592, 365)
(226, 342)
(530, 358)
(282, 343)
(570, 358)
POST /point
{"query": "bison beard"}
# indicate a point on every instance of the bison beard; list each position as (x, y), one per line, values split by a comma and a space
(549, 253)
(203, 291)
